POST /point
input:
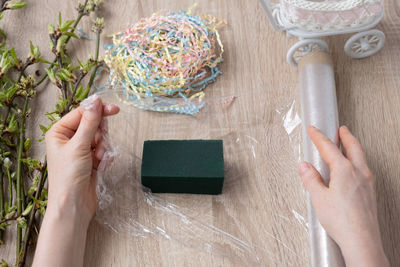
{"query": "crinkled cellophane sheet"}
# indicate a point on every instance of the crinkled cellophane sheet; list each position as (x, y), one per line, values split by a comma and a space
(235, 225)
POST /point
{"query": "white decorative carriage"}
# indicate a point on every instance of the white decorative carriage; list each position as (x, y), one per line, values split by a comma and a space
(311, 19)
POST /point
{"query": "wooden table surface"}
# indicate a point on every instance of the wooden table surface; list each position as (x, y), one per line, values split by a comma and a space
(263, 203)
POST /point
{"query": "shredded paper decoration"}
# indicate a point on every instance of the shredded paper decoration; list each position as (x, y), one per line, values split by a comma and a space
(164, 62)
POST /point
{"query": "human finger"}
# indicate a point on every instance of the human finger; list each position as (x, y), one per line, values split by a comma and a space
(312, 180)
(90, 121)
(330, 153)
(110, 109)
(352, 147)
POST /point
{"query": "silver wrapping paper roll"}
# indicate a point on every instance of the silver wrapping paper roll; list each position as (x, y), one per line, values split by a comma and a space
(319, 108)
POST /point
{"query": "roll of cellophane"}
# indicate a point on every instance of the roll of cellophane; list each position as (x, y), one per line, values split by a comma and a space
(319, 109)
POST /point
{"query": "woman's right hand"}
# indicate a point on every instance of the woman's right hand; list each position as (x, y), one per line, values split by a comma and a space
(346, 208)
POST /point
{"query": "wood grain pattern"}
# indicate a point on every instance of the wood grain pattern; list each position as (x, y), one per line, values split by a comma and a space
(256, 71)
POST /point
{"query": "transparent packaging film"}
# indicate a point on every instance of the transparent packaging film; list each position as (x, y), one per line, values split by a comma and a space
(245, 224)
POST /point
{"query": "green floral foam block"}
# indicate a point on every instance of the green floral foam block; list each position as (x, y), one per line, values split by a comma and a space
(183, 166)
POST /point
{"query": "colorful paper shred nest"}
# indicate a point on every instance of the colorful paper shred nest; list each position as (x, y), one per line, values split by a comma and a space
(164, 62)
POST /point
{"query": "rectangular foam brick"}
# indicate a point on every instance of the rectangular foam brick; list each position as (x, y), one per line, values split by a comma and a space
(183, 166)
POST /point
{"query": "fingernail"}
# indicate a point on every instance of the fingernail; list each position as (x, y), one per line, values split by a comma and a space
(303, 168)
(90, 103)
(108, 107)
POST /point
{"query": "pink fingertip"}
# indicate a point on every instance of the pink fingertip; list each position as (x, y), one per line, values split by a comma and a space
(100, 153)
(303, 167)
(111, 109)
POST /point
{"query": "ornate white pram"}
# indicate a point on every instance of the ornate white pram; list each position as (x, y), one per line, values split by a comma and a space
(310, 19)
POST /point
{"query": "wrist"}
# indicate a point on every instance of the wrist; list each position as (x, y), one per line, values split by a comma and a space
(62, 237)
(67, 211)
(364, 250)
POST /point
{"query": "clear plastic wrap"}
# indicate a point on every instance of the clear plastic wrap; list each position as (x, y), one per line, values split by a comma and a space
(241, 224)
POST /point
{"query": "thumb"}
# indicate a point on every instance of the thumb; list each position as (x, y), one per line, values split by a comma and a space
(92, 114)
(311, 179)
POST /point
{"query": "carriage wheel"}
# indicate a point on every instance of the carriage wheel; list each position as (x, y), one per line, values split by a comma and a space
(303, 47)
(364, 44)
